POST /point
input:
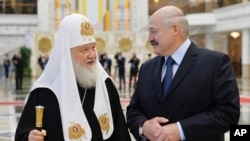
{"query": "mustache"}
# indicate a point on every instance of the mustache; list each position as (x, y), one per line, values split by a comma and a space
(90, 60)
(153, 42)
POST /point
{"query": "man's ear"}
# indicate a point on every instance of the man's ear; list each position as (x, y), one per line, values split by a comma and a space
(175, 28)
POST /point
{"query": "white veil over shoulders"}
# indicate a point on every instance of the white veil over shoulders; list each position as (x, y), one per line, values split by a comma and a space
(58, 76)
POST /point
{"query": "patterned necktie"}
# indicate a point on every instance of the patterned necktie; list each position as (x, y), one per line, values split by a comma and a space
(168, 76)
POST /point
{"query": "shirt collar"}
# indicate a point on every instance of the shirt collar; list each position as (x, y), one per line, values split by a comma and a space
(180, 52)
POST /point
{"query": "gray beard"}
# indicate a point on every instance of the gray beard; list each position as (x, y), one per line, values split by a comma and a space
(86, 77)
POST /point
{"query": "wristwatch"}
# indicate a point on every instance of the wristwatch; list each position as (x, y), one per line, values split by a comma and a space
(141, 132)
(143, 138)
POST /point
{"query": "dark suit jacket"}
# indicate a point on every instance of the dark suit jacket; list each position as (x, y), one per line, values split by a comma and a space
(203, 95)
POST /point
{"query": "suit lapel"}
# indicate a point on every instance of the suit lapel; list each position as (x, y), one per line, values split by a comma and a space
(157, 77)
(186, 64)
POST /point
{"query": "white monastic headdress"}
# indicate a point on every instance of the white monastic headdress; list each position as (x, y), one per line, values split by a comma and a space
(58, 75)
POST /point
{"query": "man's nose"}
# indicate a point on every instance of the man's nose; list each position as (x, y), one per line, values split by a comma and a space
(150, 38)
(91, 54)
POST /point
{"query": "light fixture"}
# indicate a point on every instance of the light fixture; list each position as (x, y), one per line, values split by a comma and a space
(235, 34)
(156, 1)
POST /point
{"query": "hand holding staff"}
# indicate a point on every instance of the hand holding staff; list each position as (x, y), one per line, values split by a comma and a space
(39, 117)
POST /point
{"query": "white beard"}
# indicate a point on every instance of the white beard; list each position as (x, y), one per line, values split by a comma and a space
(86, 77)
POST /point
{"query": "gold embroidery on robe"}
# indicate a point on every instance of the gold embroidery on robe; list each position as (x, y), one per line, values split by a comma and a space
(76, 132)
(104, 122)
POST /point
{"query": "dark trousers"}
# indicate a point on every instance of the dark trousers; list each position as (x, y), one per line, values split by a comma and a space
(19, 80)
(6, 71)
(122, 79)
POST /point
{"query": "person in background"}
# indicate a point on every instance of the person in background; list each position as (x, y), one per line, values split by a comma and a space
(106, 62)
(79, 98)
(42, 61)
(12, 66)
(201, 99)
(116, 65)
(134, 69)
(6, 64)
(19, 64)
(121, 70)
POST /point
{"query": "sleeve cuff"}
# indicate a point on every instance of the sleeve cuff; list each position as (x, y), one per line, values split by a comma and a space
(181, 131)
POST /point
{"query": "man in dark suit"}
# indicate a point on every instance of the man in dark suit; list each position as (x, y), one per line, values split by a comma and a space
(106, 62)
(19, 64)
(202, 100)
(134, 69)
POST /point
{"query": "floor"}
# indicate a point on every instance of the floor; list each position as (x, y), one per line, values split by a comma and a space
(11, 104)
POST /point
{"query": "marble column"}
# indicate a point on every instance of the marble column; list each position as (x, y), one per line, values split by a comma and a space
(209, 41)
(139, 15)
(217, 42)
(245, 54)
(45, 29)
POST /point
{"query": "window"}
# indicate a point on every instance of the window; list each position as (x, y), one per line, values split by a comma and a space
(18, 6)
